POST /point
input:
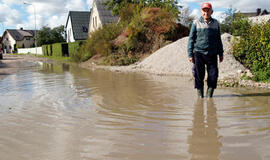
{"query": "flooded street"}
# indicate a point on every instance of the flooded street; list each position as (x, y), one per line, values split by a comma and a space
(63, 112)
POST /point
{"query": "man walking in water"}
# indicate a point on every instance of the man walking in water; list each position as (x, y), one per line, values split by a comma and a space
(204, 46)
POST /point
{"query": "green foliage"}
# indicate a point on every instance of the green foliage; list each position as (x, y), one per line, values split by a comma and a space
(118, 6)
(225, 26)
(253, 50)
(57, 49)
(74, 47)
(100, 43)
(235, 23)
(240, 26)
(48, 36)
(121, 59)
(45, 50)
(147, 28)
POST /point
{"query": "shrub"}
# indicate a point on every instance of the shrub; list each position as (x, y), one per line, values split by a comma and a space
(74, 47)
(147, 27)
(253, 50)
(100, 42)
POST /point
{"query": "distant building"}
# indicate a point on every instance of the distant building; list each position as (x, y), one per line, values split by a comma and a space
(100, 16)
(258, 12)
(259, 16)
(17, 38)
(77, 25)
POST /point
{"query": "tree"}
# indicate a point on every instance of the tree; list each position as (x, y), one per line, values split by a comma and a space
(57, 33)
(48, 36)
(185, 17)
(225, 26)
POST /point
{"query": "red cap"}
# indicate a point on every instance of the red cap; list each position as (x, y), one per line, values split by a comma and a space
(206, 5)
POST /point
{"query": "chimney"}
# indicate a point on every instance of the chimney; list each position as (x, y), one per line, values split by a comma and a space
(258, 11)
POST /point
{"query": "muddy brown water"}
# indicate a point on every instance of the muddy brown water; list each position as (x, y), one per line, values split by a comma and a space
(62, 112)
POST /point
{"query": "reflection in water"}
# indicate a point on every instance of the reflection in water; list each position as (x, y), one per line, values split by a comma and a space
(63, 112)
(204, 141)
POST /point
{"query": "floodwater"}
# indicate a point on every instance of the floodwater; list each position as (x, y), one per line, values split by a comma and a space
(62, 112)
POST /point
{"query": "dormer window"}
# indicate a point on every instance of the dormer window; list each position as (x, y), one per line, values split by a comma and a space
(85, 29)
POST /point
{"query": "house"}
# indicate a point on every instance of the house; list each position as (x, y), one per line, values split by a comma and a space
(77, 25)
(17, 38)
(259, 16)
(258, 12)
(100, 16)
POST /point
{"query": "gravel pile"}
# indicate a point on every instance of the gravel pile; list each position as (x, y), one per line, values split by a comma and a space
(173, 60)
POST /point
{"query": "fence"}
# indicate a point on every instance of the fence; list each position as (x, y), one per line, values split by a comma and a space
(37, 50)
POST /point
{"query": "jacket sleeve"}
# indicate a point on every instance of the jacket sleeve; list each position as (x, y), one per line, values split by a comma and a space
(192, 40)
(220, 45)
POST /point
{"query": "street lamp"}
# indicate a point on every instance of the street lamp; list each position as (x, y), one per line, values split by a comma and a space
(35, 39)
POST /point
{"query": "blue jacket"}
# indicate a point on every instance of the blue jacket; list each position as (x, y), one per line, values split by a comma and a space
(205, 38)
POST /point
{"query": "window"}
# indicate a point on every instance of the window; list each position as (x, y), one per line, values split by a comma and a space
(96, 21)
(85, 29)
(7, 39)
(27, 38)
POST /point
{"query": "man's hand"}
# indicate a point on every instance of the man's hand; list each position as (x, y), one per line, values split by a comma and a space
(220, 58)
(191, 60)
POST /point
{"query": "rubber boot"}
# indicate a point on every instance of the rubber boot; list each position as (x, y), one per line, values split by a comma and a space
(210, 92)
(200, 92)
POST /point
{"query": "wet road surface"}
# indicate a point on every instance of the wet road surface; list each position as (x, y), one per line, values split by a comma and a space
(62, 112)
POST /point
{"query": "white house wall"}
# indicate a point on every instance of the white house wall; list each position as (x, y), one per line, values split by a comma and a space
(95, 22)
(9, 43)
(69, 31)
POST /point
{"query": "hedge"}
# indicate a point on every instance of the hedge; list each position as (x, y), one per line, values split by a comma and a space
(47, 50)
(56, 49)
(73, 47)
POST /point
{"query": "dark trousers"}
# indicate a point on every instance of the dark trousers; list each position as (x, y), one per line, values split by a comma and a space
(211, 64)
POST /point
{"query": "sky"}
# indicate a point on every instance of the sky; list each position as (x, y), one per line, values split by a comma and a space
(14, 14)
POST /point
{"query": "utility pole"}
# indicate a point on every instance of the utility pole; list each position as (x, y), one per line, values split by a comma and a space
(35, 38)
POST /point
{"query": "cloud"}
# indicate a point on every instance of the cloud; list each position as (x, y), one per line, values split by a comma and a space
(9, 16)
(242, 5)
(196, 13)
(51, 13)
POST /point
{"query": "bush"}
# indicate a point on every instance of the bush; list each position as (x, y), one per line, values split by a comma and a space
(253, 50)
(147, 28)
(74, 47)
(100, 42)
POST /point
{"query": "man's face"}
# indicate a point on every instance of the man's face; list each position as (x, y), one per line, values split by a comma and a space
(206, 13)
